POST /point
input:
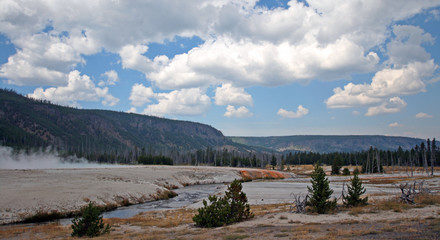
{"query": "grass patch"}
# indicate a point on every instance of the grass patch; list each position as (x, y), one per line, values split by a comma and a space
(435, 225)
(280, 235)
(235, 236)
(161, 219)
(427, 199)
(163, 194)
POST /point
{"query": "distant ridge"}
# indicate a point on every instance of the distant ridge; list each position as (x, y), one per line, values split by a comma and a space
(329, 143)
(29, 123)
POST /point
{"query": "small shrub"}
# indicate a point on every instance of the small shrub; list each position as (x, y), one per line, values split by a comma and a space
(90, 223)
(337, 164)
(355, 191)
(356, 171)
(214, 214)
(233, 207)
(346, 172)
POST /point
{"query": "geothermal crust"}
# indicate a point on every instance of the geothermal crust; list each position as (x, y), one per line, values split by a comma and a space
(24, 193)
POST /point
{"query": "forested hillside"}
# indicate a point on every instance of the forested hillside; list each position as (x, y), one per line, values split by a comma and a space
(98, 134)
(327, 144)
(108, 136)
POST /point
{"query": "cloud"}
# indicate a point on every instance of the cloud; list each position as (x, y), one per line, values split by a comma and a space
(423, 115)
(180, 102)
(112, 78)
(132, 110)
(245, 63)
(242, 45)
(79, 88)
(407, 72)
(141, 95)
(395, 124)
(240, 112)
(176, 73)
(131, 57)
(229, 95)
(406, 46)
(40, 59)
(300, 112)
(393, 105)
(386, 83)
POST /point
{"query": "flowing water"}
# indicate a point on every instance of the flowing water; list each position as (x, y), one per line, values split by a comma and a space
(186, 196)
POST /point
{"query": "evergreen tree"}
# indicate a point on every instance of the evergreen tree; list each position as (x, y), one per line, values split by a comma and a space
(355, 190)
(273, 162)
(337, 164)
(320, 192)
(90, 224)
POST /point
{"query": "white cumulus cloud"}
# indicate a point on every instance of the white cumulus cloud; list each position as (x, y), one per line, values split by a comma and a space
(79, 88)
(111, 78)
(132, 58)
(240, 112)
(242, 45)
(393, 105)
(180, 102)
(229, 95)
(423, 115)
(140, 95)
(395, 124)
(300, 112)
(408, 72)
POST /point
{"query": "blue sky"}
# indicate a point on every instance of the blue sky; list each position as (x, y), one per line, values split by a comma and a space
(247, 68)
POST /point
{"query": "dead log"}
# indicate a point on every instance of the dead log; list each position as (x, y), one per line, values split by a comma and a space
(298, 204)
(409, 191)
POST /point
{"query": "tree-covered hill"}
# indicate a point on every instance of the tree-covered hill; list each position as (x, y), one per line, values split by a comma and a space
(327, 144)
(29, 123)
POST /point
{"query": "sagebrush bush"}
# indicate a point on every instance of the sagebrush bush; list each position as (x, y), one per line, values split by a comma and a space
(90, 223)
(231, 208)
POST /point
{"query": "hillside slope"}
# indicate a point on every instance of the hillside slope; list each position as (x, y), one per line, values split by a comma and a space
(28, 123)
(326, 144)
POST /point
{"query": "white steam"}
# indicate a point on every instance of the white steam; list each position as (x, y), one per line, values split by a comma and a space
(10, 159)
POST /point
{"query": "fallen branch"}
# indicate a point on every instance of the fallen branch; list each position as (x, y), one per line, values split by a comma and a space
(299, 205)
(409, 191)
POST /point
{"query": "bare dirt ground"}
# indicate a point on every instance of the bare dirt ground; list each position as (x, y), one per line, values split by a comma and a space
(383, 218)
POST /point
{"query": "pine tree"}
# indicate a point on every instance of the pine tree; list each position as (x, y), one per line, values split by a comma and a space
(320, 192)
(355, 190)
(337, 164)
(90, 223)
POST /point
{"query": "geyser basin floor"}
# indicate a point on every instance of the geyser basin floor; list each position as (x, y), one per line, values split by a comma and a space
(23, 193)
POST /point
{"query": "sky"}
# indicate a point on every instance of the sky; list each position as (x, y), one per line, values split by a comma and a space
(245, 67)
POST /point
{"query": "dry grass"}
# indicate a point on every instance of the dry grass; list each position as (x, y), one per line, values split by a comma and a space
(261, 210)
(177, 224)
(161, 219)
(394, 204)
(39, 231)
(163, 194)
